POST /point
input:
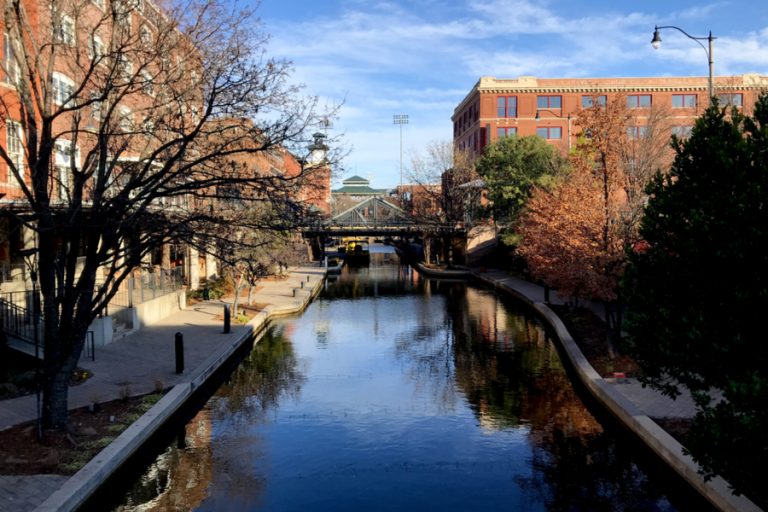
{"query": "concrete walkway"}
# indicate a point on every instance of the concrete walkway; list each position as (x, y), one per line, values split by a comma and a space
(144, 361)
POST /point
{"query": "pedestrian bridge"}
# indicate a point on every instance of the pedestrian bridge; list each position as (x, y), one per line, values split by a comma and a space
(376, 216)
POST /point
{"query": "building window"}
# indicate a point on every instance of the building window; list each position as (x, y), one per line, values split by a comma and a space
(126, 119)
(682, 132)
(145, 34)
(96, 111)
(121, 10)
(147, 83)
(730, 99)
(64, 158)
(506, 106)
(148, 126)
(125, 66)
(96, 50)
(11, 65)
(550, 132)
(683, 101)
(63, 88)
(64, 30)
(549, 102)
(590, 101)
(15, 149)
(638, 101)
(636, 132)
(506, 132)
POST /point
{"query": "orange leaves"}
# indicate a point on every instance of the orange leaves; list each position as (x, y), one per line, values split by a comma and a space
(563, 240)
(574, 234)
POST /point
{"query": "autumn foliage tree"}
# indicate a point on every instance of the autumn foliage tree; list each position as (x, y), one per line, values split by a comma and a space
(576, 232)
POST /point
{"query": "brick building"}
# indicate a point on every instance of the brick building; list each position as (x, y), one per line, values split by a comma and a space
(549, 107)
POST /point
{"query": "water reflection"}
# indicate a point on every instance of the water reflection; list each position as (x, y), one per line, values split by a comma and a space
(180, 477)
(268, 374)
(397, 392)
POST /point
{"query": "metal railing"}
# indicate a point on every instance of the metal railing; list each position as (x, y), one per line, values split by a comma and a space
(16, 317)
(18, 321)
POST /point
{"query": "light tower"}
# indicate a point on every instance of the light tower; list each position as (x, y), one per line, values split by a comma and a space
(400, 119)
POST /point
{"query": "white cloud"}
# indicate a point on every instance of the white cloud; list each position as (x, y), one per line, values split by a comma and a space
(421, 57)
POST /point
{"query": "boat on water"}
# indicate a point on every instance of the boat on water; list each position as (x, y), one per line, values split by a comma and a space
(356, 252)
(334, 265)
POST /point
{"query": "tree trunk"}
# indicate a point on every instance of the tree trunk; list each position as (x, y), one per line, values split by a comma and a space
(238, 290)
(55, 413)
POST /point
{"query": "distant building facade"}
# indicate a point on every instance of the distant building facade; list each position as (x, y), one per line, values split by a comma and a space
(354, 190)
(548, 107)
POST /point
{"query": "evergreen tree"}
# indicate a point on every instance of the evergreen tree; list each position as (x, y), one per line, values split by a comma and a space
(697, 288)
(511, 168)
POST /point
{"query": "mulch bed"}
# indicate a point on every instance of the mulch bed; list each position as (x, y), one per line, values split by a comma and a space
(591, 335)
(64, 453)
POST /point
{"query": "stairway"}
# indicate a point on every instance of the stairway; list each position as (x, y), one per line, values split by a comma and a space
(18, 324)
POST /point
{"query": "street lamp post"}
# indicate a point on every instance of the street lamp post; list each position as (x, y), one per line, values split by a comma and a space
(400, 119)
(538, 116)
(656, 42)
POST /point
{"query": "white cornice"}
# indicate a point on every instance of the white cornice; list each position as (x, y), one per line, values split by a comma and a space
(532, 85)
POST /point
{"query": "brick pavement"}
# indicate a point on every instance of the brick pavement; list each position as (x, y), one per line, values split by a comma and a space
(28, 491)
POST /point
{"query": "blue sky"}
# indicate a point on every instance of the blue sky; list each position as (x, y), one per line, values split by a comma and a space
(421, 57)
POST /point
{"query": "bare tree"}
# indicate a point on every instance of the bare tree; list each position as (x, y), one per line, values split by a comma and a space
(137, 127)
(442, 194)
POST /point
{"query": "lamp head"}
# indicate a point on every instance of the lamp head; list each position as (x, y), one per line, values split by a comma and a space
(656, 41)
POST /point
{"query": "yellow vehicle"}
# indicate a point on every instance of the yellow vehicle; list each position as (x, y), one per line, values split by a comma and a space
(357, 252)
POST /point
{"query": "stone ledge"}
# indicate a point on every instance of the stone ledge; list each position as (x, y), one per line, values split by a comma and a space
(716, 491)
(78, 488)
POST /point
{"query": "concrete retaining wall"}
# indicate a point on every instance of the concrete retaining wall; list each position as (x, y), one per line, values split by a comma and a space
(668, 449)
(154, 310)
(76, 491)
(716, 491)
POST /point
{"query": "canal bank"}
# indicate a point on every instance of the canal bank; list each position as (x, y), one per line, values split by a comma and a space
(623, 406)
(139, 364)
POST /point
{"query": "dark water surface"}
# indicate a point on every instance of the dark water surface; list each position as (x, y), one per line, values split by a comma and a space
(394, 392)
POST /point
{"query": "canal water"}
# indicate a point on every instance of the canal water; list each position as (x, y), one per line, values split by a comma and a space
(397, 392)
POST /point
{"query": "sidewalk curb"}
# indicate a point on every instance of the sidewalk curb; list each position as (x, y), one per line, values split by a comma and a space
(85, 482)
(668, 449)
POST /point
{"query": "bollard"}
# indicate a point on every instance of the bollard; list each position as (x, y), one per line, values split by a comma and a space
(179, 343)
(294, 292)
(226, 319)
(181, 439)
(307, 278)
(302, 284)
